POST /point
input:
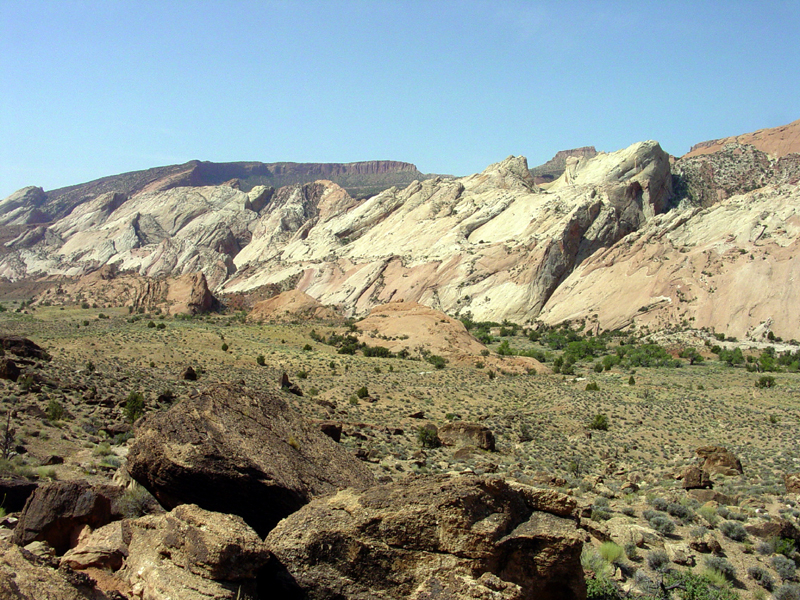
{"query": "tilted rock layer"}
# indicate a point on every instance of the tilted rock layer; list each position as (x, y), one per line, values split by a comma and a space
(731, 267)
(491, 244)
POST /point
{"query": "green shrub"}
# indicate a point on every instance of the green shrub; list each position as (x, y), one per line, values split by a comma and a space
(304, 375)
(362, 392)
(260, 360)
(307, 348)
(437, 361)
(55, 412)
(765, 381)
(592, 386)
(610, 552)
(224, 347)
(709, 514)
(134, 406)
(428, 437)
(599, 422)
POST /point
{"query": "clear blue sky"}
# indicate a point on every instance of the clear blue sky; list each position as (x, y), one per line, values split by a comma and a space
(95, 88)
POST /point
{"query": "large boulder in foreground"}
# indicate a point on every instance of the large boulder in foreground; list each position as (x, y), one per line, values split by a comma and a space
(232, 450)
(193, 554)
(426, 537)
(25, 576)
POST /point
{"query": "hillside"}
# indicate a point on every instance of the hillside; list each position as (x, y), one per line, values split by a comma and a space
(359, 178)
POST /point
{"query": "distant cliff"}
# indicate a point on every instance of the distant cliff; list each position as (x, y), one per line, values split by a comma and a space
(553, 168)
(360, 179)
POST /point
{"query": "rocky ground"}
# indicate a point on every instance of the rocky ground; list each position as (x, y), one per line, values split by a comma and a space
(623, 453)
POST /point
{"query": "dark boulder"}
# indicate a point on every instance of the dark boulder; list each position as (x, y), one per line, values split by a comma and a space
(233, 450)
(57, 511)
(9, 369)
(23, 347)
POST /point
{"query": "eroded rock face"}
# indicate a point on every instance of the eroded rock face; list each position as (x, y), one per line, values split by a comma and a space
(412, 538)
(467, 434)
(232, 450)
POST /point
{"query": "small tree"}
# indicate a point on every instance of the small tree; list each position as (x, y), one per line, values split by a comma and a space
(134, 406)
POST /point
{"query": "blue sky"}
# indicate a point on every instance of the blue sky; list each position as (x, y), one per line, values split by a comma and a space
(95, 88)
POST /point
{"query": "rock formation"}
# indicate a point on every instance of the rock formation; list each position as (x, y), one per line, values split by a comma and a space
(291, 306)
(777, 141)
(459, 537)
(729, 267)
(491, 244)
(193, 554)
(554, 168)
(184, 294)
(230, 450)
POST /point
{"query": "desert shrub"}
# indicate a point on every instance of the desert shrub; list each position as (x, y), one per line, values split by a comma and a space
(377, 351)
(765, 381)
(733, 530)
(599, 422)
(659, 504)
(600, 514)
(710, 585)
(55, 411)
(610, 552)
(428, 437)
(631, 551)
(260, 360)
(709, 514)
(598, 367)
(224, 347)
(788, 591)
(763, 577)
(721, 565)
(151, 324)
(303, 374)
(592, 386)
(362, 392)
(657, 560)
(102, 449)
(602, 588)
(681, 512)
(592, 562)
(307, 348)
(784, 566)
(437, 361)
(135, 502)
(783, 546)
(662, 524)
(631, 380)
(134, 406)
